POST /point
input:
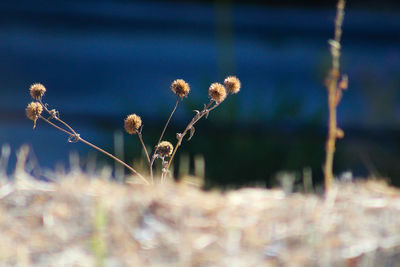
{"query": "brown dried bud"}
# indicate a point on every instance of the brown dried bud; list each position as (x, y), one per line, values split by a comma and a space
(344, 83)
(217, 92)
(180, 88)
(33, 111)
(37, 91)
(232, 84)
(164, 149)
(339, 133)
(132, 123)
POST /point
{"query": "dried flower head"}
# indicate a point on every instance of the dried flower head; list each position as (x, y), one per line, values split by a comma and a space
(164, 149)
(339, 133)
(232, 84)
(217, 92)
(33, 111)
(37, 91)
(132, 123)
(344, 83)
(180, 88)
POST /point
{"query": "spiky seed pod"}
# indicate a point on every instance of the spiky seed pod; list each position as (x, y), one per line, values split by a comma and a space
(132, 123)
(33, 111)
(164, 149)
(37, 91)
(180, 88)
(232, 84)
(217, 92)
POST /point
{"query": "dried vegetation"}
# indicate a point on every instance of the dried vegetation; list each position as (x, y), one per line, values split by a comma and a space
(82, 220)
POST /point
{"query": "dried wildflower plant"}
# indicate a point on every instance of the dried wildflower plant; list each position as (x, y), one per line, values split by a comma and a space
(335, 86)
(133, 125)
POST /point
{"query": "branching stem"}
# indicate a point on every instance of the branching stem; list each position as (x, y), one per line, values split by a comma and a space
(332, 84)
(78, 138)
(195, 119)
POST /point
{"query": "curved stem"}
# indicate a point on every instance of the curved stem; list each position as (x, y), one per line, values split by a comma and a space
(57, 118)
(196, 118)
(114, 158)
(147, 155)
(162, 135)
(56, 126)
(169, 119)
(95, 147)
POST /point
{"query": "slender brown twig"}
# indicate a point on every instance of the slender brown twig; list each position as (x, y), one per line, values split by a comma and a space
(169, 119)
(162, 135)
(77, 138)
(54, 115)
(334, 94)
(189, 127)
(139, 133)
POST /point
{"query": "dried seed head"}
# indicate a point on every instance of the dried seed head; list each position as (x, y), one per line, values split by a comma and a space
(232, 84)
(164, 149)
(33, 111)
(339, 133)
(344, 83)
(132, 123)
(217, 92)
(37, 91)
(180, 88)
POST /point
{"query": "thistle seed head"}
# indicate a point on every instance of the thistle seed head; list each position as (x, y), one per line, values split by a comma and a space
(217, 92)
(164, 149)
(180, 88)
(232, 84)
(33, 111)
(37, 91)
(132, 123)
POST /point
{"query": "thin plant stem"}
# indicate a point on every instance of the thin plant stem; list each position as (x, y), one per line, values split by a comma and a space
(147, 155)
(78, 138)
(169, 119)
(55, 116)
(195, 119)
(56, 126)
(332, 90)
(161, 136)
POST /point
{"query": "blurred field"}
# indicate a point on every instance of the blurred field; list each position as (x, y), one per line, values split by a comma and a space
(84, 220)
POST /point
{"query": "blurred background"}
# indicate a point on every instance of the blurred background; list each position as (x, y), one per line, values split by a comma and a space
(102, 60)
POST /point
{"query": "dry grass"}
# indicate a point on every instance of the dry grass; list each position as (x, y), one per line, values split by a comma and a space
(82, 221)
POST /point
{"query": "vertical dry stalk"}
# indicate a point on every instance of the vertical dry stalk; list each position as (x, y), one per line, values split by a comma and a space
(334, 94)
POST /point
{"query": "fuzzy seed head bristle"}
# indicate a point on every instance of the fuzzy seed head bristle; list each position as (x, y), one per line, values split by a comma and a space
(132, 123)
(37, 91)
(232, 84)
(217, 92)
(33, 111)
(164, 149)
(180, 88)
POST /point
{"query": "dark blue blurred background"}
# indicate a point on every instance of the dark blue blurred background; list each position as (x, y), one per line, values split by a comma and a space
(102, 60)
